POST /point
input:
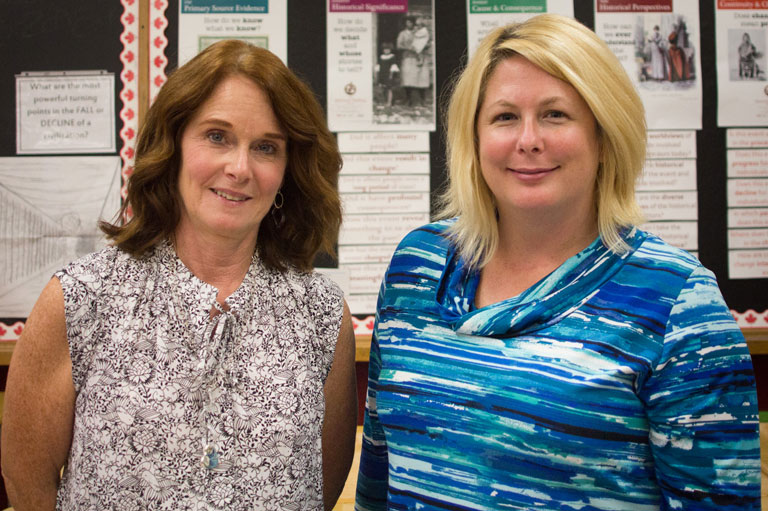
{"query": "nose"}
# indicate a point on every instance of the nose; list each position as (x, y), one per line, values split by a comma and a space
(239, 167)
(529, 138)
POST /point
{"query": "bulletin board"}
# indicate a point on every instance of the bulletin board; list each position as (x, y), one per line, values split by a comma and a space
(49, 36)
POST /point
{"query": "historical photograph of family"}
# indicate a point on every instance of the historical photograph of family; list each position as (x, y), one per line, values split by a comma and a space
(403, 74)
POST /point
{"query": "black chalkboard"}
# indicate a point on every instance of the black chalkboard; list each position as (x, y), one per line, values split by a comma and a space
(40, 35)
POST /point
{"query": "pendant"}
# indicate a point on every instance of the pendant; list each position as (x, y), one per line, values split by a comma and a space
(210, 459)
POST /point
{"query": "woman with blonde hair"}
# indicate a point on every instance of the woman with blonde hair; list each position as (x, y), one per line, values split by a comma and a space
(535, 349)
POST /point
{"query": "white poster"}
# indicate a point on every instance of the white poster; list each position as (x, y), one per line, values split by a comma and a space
(65, 112)
(386, 194)
(263, 23)
(483, 16)
(747, 193)
(657, 41)
(381, 65)
(742, 41)
(49, 208)
(667, 187)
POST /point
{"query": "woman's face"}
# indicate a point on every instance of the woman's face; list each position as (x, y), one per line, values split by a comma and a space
(537, 143)
(233, 159)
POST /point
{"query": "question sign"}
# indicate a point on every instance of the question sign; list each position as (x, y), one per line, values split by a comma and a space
(65, 112)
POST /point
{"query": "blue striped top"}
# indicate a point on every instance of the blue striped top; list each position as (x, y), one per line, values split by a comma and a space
(617, 382)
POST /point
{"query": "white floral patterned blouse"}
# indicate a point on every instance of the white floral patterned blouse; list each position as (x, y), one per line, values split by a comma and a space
(177, 410)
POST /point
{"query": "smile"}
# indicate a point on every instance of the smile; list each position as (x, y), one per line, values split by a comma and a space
(228, 196)
(532, 172)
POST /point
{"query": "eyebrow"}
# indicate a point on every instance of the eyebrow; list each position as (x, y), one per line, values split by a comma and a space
(546, 102)
(226, 124)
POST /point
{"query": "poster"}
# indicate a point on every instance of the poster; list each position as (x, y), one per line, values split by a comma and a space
(263, 23)
(381, 65)
(657, 42)
(385, 189)
(666, 190)
(483, 16)
(65, 112)
(741, 36)
(49, 208)
(747, 195)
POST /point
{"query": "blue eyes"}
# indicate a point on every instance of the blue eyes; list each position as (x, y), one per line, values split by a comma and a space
(218, 138)
(267, 148)
(554, 114)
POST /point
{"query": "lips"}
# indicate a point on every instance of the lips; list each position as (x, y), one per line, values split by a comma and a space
(229, 195)
(533, 172)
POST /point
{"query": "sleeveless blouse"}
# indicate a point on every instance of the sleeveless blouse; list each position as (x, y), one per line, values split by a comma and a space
(179, 410)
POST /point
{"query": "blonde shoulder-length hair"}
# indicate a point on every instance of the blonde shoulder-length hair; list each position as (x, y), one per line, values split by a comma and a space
(571, 52)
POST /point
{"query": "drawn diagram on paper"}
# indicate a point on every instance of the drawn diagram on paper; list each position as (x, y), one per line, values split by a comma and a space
(49, 209)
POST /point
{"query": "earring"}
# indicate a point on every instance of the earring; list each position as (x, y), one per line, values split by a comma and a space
(278, 217)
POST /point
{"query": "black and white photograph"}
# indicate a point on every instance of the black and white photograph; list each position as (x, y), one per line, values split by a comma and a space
(403, 72)
(746, 54)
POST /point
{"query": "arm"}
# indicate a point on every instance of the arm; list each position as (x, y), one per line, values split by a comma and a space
(702, 406)
(340, 423)
(39, 406)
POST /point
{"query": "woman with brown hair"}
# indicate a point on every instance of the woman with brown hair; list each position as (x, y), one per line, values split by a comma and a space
(198, 362)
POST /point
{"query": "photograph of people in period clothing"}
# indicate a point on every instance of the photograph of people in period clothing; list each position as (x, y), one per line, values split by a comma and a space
(403, 75)
(746, 54)
(665, 52)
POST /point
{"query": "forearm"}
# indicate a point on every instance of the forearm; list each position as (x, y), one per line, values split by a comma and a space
(334, 478)
(28, 489)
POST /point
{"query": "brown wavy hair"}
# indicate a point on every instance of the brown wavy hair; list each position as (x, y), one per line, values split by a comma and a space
(312, 208)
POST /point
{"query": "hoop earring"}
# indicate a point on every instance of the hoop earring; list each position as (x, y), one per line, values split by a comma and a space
(278, 217)
(279, 200)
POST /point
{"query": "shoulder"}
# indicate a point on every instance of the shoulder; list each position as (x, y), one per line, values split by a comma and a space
(108, 268)
(690, 286)
(654, 253)
(317, 293)
(100, 263)
(429, 242)
(431, 238)
(421, 256)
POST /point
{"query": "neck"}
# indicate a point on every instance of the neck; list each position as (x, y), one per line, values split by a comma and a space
(528, 251)
(221, 263)
(533, 235)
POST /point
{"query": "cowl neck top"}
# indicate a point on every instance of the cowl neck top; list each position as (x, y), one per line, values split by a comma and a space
(544, 303)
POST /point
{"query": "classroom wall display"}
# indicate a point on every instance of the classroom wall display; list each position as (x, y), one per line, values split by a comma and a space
(65, 112)
(260, 22)
(742, 66)
(381, 65)
(659, 44)
(483, 16)
(99, 35)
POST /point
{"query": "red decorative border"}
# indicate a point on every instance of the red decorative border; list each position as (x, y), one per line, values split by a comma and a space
(751, 319)
(10, 332)
(363, 326)
(157, 44)
(130, 92)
